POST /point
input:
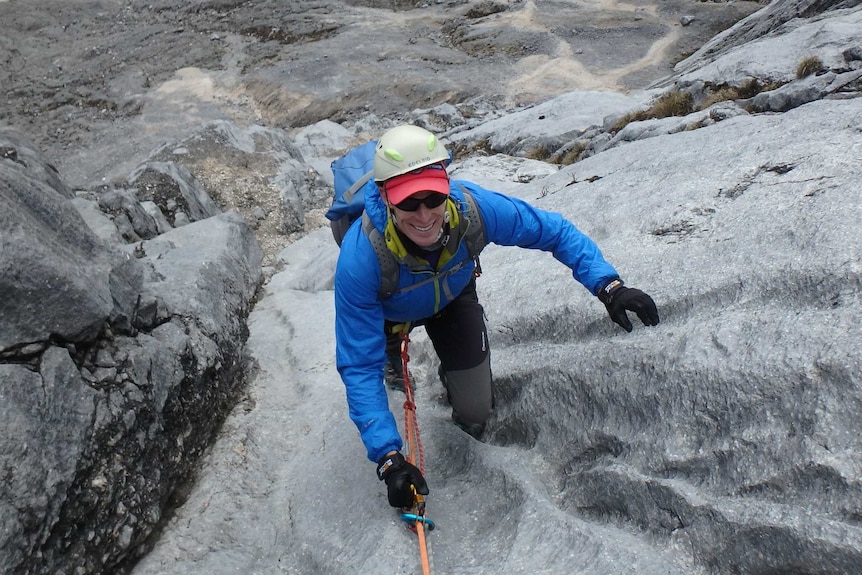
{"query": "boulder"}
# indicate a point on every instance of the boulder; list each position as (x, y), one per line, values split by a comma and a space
(117, 365)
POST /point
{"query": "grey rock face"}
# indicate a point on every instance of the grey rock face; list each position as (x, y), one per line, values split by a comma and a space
(136, 223)
(47, 417)
(21, 156)
(54, 271)
(116, 367)
(281, 64)
(257, 171)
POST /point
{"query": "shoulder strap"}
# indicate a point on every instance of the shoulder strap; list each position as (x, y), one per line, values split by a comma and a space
(386, 259)
(348, 194)
(475, 236)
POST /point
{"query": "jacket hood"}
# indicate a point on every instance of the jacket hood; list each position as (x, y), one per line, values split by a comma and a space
(376, 209)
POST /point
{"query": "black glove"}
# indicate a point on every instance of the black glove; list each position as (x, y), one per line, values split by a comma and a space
(399, 475)
(618, 298)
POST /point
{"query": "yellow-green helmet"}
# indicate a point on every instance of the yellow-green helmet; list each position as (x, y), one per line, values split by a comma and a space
(404, 149)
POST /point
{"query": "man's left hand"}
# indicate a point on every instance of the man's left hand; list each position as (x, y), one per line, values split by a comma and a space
(618, 299)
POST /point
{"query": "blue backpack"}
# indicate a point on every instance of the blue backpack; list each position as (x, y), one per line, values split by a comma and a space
(352, 174)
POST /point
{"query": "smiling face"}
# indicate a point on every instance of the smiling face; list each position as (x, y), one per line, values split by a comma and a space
(424, 225)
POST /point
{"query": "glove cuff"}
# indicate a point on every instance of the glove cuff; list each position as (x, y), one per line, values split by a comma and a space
(606, 294)
(389, 463)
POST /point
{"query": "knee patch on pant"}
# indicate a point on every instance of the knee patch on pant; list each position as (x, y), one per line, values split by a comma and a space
(470, 393)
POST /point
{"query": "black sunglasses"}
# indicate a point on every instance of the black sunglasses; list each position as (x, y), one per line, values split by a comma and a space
(411, 204)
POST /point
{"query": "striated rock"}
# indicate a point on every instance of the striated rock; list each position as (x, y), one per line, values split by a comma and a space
(725, 440)
(770, 44)
(549, 125)
(803, 91)
(775, 20)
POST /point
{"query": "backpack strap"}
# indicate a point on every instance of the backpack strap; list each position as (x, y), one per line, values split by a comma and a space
(475, 235)
(348, 194)
(388, 264)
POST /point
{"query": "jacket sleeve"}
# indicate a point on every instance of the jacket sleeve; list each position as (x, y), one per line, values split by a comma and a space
(360, 345)
(511, 221)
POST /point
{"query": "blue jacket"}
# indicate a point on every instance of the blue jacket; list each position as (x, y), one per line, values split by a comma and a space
(359, 314)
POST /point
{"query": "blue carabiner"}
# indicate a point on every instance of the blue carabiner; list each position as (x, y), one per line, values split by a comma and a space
(412, 518)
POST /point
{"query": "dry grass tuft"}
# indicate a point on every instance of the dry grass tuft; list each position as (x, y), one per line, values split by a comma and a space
(670, 104)
(808, 66)
(722, 95)
(463, 150)
(539, 153)
(573, 155)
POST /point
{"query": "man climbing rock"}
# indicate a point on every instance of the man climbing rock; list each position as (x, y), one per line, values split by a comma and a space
(430, 230)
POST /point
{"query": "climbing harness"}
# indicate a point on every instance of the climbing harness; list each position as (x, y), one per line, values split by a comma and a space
(415, 516)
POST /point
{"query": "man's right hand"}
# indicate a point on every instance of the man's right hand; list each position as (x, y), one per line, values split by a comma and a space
(400, 476)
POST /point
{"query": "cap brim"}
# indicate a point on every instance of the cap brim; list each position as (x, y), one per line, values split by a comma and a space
(402, 187)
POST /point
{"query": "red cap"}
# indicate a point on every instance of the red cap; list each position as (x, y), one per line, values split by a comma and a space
(431, 179)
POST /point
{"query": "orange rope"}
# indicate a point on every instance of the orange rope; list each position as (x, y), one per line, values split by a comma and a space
(423, 550)
(416, 455)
